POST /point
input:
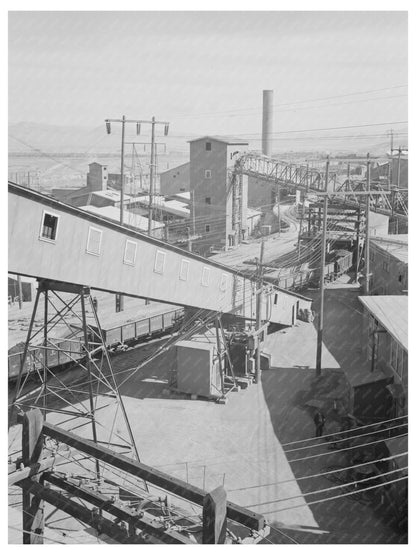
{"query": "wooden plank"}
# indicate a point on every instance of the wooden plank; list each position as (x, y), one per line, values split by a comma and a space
(16, 475)
(70, 507)
(215, 516)
(187, 491)
(33, 508)
(144, 521)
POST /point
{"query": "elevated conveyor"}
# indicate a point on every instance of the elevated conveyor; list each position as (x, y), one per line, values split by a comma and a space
(52, 240)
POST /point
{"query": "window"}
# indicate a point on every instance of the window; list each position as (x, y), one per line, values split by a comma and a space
(400, 278)
(184, 271)
(207, 146)
(119, 302)
(372, 256)
(207, 200)
(205, 276)
(223, 283)
(275, 298)
(386, 266)
(207, 228)
(49, 227)
(396, 358)
(159, 266)
(208, 174)
(130, 252)
(94, 241)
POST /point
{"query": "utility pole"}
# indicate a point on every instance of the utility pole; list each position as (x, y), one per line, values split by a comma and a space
(20, 291)
(357, 255)
(398, 167)
(138, 123)
(278, 205)
(152, 173)
(193, 211)
(367, 229)
(258, 311)
(134, 153)
(322, 280)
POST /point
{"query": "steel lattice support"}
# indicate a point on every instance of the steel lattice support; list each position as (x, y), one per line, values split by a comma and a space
(87, 391)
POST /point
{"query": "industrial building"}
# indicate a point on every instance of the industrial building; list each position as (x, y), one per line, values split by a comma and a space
(175, 180)
(389, 265)
(135, 221)
(385, 338)
(219, 207)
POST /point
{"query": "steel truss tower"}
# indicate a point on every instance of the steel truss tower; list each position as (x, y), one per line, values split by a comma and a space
(79, 398)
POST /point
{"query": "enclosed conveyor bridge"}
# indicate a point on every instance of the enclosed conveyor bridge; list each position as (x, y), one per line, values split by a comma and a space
(54, 241)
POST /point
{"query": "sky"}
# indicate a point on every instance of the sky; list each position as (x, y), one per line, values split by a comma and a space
(205, 71)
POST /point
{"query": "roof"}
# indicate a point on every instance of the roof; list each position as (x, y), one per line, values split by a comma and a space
(395, 245)
(176, 168)
(130, 219)
(175, 207)
(391, 312)
(186, 195)
(111, 195)
(222, 139)
(251, 213)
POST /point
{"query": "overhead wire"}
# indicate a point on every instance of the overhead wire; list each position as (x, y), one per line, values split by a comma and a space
(325, 473)
(334, 451)
(346, 494)
(358, 428)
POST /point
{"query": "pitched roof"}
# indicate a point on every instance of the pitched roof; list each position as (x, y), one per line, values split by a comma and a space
(222, 139)
(112, 213)
(395, 245)
(391, 312)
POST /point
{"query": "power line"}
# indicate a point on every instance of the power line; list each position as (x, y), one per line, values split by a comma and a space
(332, 452)
(331, 488)
(238, 110)
(347, 494)
(326, 473)
(352, 429)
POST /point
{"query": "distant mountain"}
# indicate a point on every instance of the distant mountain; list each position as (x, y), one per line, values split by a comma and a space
(30, 137)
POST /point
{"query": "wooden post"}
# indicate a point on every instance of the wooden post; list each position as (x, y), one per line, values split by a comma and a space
(258, 311)
(358, 257)
(367, 230)
(214, 516)
(33, 507)
(217, 329)
(320, 325)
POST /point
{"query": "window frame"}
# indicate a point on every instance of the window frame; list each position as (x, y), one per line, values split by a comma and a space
(128, 262)
(159, 254)
(47, 239)
(205, 276)
(184, 270)
(100, 231)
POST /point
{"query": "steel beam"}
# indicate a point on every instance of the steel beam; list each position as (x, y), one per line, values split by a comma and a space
(187, 491)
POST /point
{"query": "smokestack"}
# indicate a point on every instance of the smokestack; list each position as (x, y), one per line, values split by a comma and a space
(266, 143)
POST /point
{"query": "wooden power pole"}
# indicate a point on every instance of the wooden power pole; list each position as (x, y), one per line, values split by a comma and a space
(258, 311)
(322, 280)
(367, 230)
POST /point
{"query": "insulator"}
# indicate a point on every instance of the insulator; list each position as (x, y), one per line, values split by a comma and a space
(138, 126)
(166, 130)
(108, 125)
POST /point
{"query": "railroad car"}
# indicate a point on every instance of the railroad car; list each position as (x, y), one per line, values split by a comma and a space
(68, 351)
